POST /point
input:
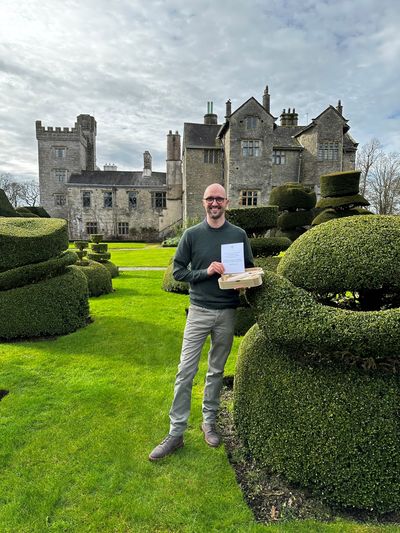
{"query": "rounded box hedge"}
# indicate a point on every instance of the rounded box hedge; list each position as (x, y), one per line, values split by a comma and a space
(54, 306)
(322, 425)
(351, 253)
(98, 278)
(317, 389)
(31, 240)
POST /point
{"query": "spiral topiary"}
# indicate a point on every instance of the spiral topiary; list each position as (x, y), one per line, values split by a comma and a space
(317, 385)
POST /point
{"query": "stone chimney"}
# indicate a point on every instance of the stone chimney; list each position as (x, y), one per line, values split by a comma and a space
(266, 100)
(228, 109)
(339, 107)
(210, 117)
(290, 118)
(146, 164)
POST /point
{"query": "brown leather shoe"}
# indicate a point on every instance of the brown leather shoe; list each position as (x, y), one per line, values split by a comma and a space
(210, 435)
(166, 447)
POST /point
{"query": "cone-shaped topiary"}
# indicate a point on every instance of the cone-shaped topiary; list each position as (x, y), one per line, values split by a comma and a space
(6, 209)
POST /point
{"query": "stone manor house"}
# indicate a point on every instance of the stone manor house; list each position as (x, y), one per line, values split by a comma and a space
(249, 153)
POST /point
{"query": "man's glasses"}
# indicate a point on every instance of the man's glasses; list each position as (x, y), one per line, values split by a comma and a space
(211, 199)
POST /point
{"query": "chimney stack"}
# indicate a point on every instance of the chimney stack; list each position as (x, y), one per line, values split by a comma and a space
(228, 109)
(210, 117)
(339, 107)
(290, 118)
(266, 100)
(146, 164)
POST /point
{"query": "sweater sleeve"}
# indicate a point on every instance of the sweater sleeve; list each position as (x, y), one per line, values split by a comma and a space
(248, 254)
(182, 258)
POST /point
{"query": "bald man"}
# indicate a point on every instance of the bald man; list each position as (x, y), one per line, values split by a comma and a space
(212, 312)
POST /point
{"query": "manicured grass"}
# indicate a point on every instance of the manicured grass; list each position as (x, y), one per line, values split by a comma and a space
(152, 256)
(83, 413)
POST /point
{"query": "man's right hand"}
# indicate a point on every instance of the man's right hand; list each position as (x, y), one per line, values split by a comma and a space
(215, 268)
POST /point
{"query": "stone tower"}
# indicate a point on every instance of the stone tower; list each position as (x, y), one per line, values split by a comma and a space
(174, 175)
(61, 152)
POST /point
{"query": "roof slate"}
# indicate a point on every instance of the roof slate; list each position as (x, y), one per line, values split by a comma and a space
(200, 135)
(113, 178)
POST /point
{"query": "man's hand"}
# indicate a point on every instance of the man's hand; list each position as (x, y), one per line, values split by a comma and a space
(215, 268)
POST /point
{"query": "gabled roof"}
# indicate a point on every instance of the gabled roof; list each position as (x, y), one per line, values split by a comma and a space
(115, 178)
(200, 135)
(258, 103)
(225, 125)
(314, 120)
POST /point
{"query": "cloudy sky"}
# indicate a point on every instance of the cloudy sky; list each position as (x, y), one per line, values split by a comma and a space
(145, 67)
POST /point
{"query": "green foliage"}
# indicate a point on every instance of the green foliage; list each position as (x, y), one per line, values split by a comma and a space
(290, 316)
(254, 220)
(332, 428)
(342, 201)
(244, 320)
(292, 219)
(266, 246)
(100, 257)
(169, 284)
(331, 214)
(111, 267)
(268, 263)
(96, 237)
(99, 248)
(6, 209)
(347, 254)
(340, 183)
(98, 278)
(25, 212)
(55, 306)
(292, 196)
(24, 275)
(171, 242)
(38, 210)
(30, 240)
(291, 234)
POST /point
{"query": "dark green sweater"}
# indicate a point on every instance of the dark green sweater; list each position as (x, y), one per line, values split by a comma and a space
(199, 246)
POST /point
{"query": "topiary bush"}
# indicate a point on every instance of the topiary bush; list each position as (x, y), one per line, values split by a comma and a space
(325, 425)
(340, 197)
(31, 240)
(317, 386)
(98, 278)
(27, 274)
(169, 284)
(255, 220)
(40, 294)
(25, 212)
(111, 267)
(54, 306)
(98, 252)
(6, 209)
(296, 203)
(268, 246)
(349, 254)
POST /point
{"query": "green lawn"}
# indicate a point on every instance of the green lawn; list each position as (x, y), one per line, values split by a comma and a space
(83, 413)
(139, 254)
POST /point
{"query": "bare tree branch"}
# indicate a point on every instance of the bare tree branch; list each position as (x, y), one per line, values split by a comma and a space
(383, 184)
(367, 157)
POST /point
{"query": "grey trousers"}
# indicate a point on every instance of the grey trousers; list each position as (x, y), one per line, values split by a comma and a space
(201, 322)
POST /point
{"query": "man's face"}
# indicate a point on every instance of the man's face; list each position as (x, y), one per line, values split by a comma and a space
(214, 202)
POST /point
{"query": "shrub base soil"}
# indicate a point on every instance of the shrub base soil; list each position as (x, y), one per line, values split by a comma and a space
(270, 497)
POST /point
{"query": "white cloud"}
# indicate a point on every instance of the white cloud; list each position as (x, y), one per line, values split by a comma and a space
(143, 68)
